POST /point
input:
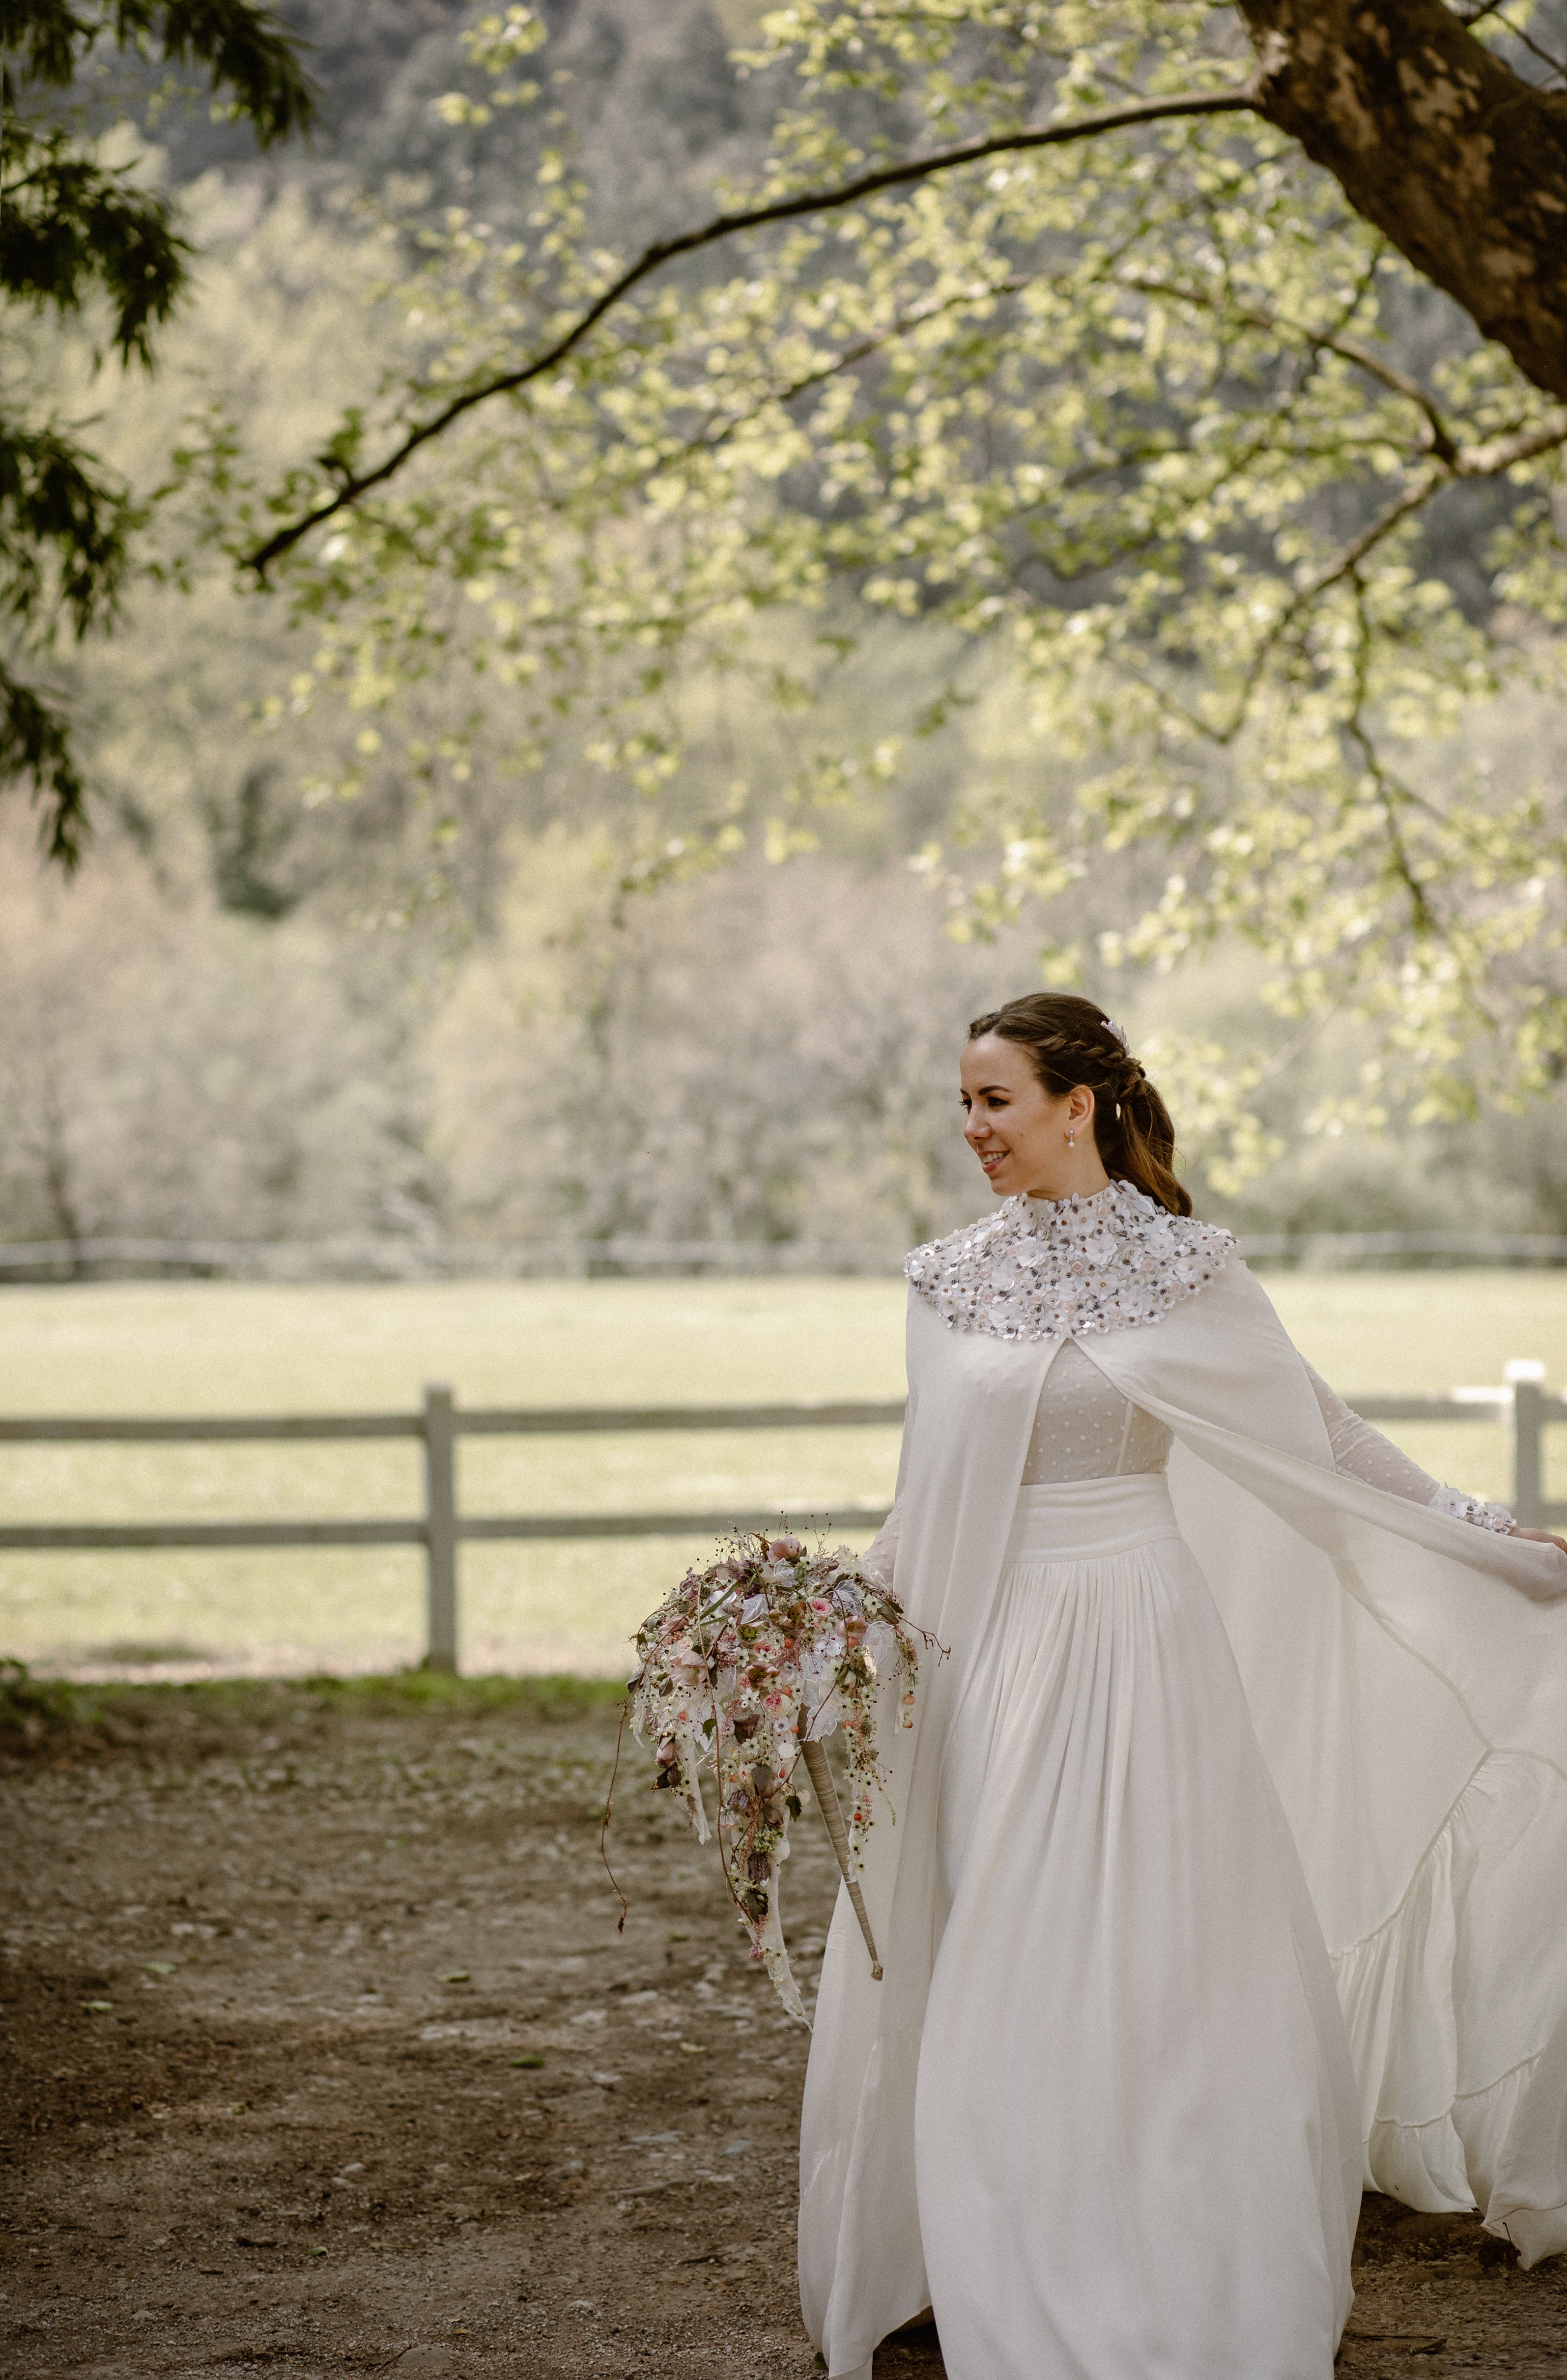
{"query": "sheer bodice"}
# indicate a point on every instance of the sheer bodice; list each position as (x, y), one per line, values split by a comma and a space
(1084, 1428)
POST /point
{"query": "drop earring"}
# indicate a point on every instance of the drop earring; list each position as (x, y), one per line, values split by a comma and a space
(1071, 1139)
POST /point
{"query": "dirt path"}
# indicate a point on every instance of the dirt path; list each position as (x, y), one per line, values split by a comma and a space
(323, 2055)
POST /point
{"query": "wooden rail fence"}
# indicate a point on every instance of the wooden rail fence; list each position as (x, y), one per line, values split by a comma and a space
(404, 1256)
(440, 1528)
(1522, 1404)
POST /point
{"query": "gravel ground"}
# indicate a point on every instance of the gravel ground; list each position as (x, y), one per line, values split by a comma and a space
(323, 2054)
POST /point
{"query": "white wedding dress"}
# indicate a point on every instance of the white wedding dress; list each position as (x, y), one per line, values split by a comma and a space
(1104, 2117)
(1135, 2138)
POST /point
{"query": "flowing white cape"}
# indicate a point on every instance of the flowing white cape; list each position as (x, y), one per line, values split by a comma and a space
(1407, 1678)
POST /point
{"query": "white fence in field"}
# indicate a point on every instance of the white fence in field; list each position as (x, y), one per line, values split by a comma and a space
(440, 1528)
(1521, 1404)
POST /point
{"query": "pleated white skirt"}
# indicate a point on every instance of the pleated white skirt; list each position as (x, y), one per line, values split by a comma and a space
(1137, 2150)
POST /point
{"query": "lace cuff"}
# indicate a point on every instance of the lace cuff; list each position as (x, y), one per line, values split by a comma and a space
(1473, 1509)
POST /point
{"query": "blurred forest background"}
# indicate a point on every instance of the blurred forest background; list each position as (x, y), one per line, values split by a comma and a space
(265, 1010)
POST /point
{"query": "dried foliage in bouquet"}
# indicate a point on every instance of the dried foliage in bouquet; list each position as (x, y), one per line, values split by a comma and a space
(750, 1665)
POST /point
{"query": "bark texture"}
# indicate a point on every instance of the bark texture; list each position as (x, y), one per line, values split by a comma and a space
(1461, 162)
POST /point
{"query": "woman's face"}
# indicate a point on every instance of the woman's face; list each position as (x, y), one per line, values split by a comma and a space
(1018, 1130)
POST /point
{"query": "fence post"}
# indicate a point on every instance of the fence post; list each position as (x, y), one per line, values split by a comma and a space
(1523, 1377)
(440, 1530)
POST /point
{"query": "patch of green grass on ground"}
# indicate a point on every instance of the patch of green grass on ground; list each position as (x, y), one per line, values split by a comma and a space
(50, 1718)
(34, 1711)
(240, 1347)
(558, 1697)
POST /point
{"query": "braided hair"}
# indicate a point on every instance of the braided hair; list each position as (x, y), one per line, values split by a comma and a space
(1069, 1041)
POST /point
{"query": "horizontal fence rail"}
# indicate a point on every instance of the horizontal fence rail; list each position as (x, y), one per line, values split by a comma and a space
(1522, 1403)
(469, 1421)
(386, 1257)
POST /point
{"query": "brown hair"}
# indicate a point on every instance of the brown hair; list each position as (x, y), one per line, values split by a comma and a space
(1069, 1041)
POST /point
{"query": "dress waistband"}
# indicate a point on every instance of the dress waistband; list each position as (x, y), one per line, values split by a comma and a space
(1089, 1517)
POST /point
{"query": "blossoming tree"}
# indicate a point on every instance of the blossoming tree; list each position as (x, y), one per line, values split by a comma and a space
(1204, 366)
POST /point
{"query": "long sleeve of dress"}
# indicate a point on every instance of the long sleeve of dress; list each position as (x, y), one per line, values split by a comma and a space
(881, 1555)
(1359, 1449)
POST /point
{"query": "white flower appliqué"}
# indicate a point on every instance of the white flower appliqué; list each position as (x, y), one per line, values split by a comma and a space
(1056, 1268)
(1473, 1509)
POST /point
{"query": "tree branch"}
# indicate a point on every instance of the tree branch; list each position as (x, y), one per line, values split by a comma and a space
(1498, 454)
(708, 442)
(1439, 442)
(1343, 566)
(1422, 918)
(1433, 137)
(1524, 40)
(354, 485)
(1485, 462)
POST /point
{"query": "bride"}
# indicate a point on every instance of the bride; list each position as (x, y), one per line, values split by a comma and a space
(1214, 1886)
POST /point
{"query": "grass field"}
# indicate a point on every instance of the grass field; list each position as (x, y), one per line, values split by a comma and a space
(204, 1348)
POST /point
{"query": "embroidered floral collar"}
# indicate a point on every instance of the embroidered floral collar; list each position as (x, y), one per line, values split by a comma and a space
(1055, 1268)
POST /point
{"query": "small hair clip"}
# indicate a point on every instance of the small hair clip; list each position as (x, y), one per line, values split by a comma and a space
(1119, 1030)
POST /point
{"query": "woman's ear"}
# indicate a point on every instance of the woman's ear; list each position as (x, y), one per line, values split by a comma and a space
(1080, 1106)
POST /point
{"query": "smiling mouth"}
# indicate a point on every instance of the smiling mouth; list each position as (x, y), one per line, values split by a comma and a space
(991, 1157)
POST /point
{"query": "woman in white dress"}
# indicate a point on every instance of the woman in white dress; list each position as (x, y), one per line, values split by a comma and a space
(1111, 2111)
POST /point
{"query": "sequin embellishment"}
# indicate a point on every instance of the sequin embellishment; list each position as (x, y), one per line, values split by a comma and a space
(1056, 1268)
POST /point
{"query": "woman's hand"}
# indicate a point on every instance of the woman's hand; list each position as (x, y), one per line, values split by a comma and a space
(1540, 1536)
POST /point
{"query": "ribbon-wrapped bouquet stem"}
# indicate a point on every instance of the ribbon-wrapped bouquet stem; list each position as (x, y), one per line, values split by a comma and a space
(750, 1665)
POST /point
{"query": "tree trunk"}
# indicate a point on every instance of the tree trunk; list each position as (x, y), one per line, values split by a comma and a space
(1459, 161)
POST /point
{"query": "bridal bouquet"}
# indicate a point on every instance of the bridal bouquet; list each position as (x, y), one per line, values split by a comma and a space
(750, 1664)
